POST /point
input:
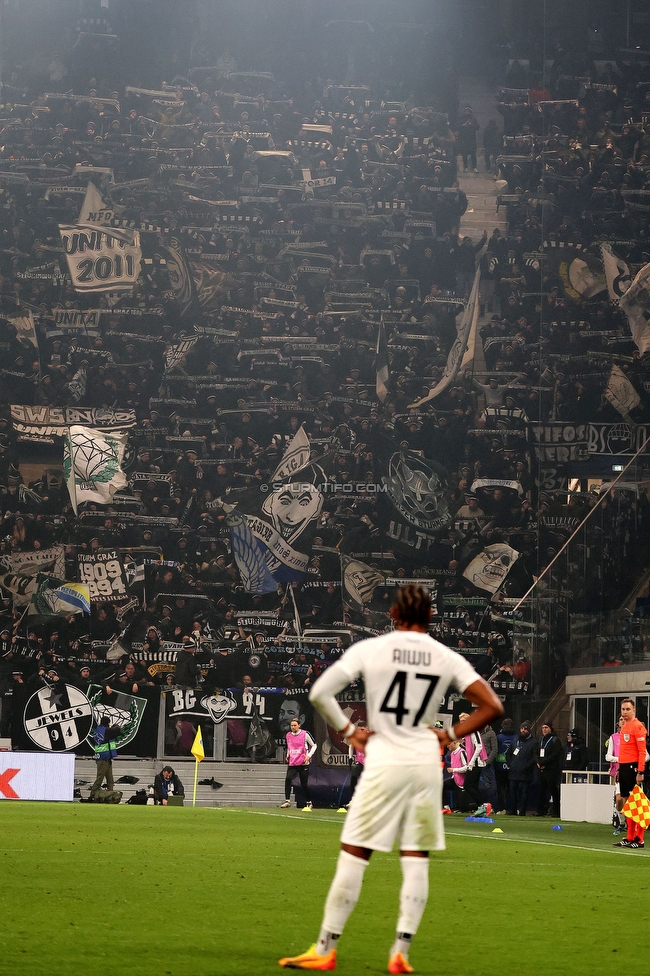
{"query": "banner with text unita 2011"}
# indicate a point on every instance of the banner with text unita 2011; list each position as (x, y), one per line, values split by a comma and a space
(101, 259)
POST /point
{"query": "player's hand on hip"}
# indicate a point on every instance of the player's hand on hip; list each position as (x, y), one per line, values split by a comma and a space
(359, 738)
(443, 736)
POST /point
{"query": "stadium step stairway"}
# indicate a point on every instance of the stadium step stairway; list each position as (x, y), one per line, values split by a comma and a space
(479, 187)
(244, 784)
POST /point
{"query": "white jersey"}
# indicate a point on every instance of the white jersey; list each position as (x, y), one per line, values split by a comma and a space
(406, 675)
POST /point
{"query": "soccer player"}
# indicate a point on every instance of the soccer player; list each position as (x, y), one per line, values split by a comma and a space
(406, 674)
(300, 748)
(631, 770)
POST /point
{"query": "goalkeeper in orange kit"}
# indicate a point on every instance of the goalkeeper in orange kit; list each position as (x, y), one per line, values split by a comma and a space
(631, 757)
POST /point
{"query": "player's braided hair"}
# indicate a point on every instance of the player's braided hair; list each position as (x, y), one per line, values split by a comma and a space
(413, 605)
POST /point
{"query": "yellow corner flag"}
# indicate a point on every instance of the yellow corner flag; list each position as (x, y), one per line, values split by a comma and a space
(197, 747)
(199, 754)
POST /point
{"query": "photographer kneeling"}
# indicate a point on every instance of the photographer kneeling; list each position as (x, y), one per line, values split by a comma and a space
(167, 784)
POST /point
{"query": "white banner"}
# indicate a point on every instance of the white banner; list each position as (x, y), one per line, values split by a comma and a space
(101, 259)
(488, 570)
(620, 392)
(36, 776)
(34, 561)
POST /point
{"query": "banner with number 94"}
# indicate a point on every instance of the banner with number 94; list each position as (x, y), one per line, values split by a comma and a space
(104, 574)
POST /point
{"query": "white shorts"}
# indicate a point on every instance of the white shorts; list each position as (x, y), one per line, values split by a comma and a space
(402, 803)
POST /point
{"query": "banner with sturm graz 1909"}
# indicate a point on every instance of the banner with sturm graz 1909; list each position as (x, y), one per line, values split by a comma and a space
(104, 575)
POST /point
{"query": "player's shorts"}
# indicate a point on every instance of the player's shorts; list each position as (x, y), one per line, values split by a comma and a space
(397, 803)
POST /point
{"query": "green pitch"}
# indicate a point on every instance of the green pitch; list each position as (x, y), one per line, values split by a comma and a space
(133, 890)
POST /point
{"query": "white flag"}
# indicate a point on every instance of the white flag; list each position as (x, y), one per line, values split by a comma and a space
(457, 351)
(295, 457)
(635, 302)
(359, 581)
(175, 352)
(25, 329)
(620, 392)
(489, 569)
(92, 463)
(617, 274)
(94, 210)
(101, 255)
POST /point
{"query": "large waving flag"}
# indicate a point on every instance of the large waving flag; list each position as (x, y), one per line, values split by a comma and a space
(635, 302)
(617, 273)
(53, 598)
(92, 463)
(249, 556)
(180, 279)
(46, 595)
(281, 516)
(359, 581)
(459, 347)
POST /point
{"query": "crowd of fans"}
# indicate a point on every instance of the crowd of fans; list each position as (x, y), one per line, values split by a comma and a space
(282, 232)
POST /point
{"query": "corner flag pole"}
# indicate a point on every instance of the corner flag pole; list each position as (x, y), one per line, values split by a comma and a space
(199, 754)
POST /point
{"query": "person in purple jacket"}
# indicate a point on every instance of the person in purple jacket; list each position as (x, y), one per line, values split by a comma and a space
(300, 748)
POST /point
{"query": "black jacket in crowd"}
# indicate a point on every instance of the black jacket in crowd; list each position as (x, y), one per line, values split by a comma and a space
(188, 671)
(521, 757)
(551, 761)
(576, 755)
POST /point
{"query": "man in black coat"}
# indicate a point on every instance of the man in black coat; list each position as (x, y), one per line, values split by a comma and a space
(577, 754)
(521, 757)
(549, 763)
(166, 783)
(188, 672)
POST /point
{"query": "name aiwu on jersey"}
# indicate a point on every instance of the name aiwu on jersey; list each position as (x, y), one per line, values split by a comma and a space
(406, 655)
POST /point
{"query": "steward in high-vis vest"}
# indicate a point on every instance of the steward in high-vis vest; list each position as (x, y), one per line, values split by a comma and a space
(103, 741)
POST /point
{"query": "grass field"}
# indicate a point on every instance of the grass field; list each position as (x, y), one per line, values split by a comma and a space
(187, 892)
